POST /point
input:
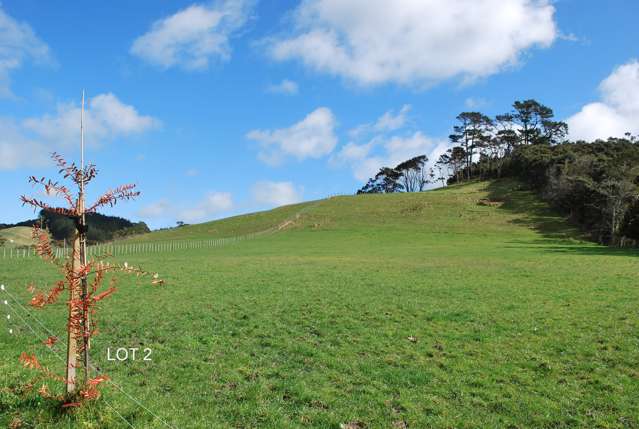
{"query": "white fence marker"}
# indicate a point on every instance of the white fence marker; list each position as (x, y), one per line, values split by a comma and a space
(5, 302)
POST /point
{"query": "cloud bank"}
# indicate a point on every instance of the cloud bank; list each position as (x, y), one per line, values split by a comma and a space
(193, 37)
(618, 111)
(276, 193)
(28, 142)
(414, 42)
(18, 44)
(312, 137)
(211, 205)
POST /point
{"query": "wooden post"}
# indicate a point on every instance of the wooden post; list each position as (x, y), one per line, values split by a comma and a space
(82, 227)
(74, 313)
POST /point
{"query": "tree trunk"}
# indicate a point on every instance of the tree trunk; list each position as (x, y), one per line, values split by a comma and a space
(613, 227)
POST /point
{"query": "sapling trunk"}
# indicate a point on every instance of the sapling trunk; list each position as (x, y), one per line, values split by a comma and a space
(74, 314)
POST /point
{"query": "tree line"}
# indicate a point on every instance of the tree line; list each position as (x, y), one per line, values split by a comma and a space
(408, 176)
(595, 183)
(100, 227)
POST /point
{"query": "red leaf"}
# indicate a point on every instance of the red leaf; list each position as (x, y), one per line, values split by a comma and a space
(50, 342)
(29, 361)
(104, 294)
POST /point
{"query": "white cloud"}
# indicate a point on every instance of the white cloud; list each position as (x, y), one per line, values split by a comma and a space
(618, 111)
(353, 152)
(17, 150)
(570, 37)
(474, 103)
(213, 204)
(194, 36)
(120, 118)
(415, 42)
(386, 148)
(393, 151)
(286, 87)
(157, 210)
(276, 193)
(399, 149)
(312, 137)
(18, 43)
(389, 121)
(106, 117)
(28, 142)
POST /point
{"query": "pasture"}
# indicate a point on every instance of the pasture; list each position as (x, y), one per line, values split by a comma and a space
(16, 236)
(378, 311)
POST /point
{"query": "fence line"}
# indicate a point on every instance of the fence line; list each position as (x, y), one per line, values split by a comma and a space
(123, 248)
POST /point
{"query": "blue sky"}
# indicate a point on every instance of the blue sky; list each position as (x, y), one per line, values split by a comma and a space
(223, 107)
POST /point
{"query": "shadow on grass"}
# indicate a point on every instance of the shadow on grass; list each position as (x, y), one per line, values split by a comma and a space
(28, 407)
(559, 236)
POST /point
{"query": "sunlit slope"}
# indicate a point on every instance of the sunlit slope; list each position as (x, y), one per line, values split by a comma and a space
(230, 227)
(453, 211)
(17, 236)
(420, 310)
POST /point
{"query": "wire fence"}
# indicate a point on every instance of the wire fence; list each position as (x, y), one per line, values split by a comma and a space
(115, 249)
(124, 248)
(19, 310)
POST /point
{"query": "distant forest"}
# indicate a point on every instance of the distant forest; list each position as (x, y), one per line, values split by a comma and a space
(596, 184)
(101, 228)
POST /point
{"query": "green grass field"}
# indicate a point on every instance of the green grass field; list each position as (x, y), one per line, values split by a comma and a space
(382, 311)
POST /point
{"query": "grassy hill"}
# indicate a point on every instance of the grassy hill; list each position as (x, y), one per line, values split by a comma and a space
(404, 310)
(230, 227)
(17, 236)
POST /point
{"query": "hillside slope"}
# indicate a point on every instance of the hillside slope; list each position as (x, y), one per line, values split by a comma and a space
(452, 210)
(408, 310)
(17, 236)
(229, 227)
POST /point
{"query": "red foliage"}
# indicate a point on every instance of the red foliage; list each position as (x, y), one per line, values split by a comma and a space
(50, 342)
(72, 171)
(104, 294)
(83, 305)
(55, 292)
(43, 245)
(91, 392)
(111, 197)
(38, 301)
(44, 391)
(53, 189)
(42, 205)
(29, 361)
(97, 380)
